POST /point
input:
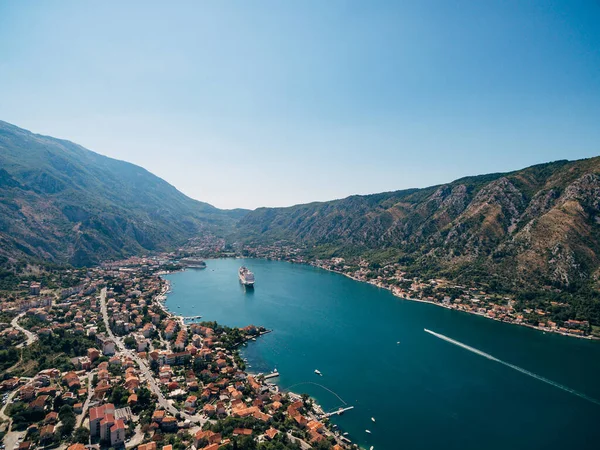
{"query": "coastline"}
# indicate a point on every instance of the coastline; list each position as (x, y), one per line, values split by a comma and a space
(389, 288)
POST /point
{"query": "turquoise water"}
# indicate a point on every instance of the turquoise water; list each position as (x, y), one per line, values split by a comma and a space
(424, 392)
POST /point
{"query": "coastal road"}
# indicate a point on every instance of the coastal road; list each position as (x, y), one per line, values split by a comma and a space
(31, 337)
(144, 369)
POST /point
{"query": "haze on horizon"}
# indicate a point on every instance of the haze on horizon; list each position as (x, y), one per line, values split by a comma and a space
(267, 103)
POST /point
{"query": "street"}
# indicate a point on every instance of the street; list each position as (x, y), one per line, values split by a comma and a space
(145, 369)
(31, 337)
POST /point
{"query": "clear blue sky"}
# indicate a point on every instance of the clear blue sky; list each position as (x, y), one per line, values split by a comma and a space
(271, 103)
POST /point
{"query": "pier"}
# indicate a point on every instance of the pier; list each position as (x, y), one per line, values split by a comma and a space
(191, 317)
(271, 375)
(338, 412)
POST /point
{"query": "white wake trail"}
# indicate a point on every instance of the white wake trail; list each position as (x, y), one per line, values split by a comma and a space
(512, 366)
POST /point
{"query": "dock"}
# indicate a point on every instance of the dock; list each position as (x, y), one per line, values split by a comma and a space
(191, 317)
(271, 375)
(338, 411)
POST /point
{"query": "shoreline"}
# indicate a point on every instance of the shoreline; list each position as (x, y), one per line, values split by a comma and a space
(410, 299)
(526, 325)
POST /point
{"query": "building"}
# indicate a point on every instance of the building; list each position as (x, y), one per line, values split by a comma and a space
(97, 414)
(117, 433)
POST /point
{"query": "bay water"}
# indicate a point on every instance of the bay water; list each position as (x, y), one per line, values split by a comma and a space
(423, 391)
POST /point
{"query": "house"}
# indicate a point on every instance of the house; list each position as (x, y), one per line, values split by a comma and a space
(190, 402)
(158, 416)
(108, 347)
(34, 288)
(93, 354)
(169, 424)
(76, 447)
(242, 432)
(72, 380)
(271, 433)
(39, 404)
(209, 436)
(46, 433)
(51, 417)
(149, 446)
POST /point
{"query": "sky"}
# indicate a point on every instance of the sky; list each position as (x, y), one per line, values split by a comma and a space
(274, 103)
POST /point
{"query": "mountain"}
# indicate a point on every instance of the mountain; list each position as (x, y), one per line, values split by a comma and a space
(532, 228)
(64, 203)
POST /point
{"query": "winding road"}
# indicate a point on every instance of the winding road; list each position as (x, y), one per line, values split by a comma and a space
(31, 337)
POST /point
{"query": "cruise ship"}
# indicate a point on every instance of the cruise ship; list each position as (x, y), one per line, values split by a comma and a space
(246, 277)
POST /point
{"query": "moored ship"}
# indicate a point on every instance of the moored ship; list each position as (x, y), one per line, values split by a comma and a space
(246, 277)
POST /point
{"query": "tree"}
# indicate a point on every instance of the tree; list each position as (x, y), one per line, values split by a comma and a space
(67, 419)
(81, 436)
(129, 342)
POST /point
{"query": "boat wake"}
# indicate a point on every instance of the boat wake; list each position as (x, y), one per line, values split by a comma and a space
(512, 366)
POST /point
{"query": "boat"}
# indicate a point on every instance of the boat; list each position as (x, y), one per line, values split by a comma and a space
(368, 431)
(373, 419)
(246, 277)
(318, 372)
(371, 448)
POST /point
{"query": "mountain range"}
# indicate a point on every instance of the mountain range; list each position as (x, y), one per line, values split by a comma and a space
(536, 227)
(64, 203)
(539, 226)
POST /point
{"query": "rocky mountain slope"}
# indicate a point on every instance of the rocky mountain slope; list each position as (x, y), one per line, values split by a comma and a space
(61, 202)
(538, 227)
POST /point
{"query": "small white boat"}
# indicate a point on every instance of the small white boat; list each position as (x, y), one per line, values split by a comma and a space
(371, 448)
(368, 431)
(318, 372)
(373, 419)
(398, 342)
(275, 370)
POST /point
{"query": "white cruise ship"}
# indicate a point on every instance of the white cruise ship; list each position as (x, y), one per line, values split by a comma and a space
(246, 277)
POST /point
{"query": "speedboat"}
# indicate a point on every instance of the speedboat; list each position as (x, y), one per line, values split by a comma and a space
(318, 372)
(368, 431)
(373, 419)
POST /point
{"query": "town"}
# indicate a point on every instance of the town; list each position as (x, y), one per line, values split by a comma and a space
(92, 359)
